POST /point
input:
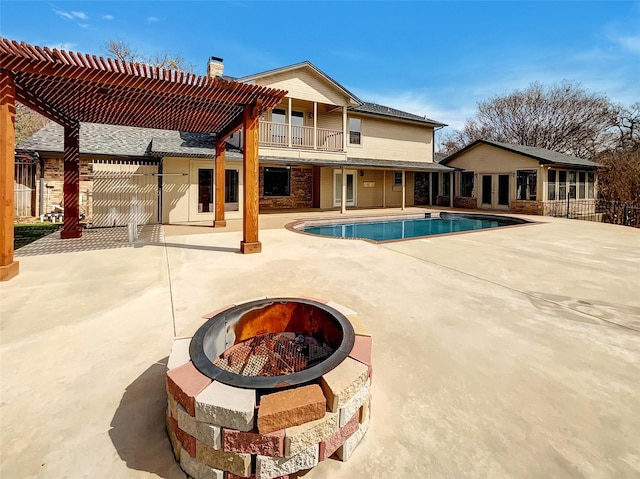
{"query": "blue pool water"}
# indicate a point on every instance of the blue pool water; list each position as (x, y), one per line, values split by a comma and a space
(388, 230)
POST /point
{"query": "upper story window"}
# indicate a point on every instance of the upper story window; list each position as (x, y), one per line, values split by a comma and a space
(355, 131)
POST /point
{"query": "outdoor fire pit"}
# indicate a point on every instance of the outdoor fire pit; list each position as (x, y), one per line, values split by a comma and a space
(269, 387)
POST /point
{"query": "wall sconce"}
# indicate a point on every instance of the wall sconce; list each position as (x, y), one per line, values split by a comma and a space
(361, 172)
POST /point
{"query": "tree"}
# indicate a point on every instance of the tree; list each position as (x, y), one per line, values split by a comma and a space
(565, 118)
(27, 122)
(120, 50)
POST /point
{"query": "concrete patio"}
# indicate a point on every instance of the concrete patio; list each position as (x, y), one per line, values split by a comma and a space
(504, 353)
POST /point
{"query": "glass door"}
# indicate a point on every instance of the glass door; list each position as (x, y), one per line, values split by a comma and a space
(351, 187)
(503, 190)
(205, 190)
(487, 186)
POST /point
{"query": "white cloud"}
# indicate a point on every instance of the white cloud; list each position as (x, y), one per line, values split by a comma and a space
(83, 25)
(107, 17)
(152, 19)
(629, 42)
(65, 15)
(80, 15)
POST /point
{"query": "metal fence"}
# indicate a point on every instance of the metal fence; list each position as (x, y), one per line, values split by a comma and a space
(594, 210)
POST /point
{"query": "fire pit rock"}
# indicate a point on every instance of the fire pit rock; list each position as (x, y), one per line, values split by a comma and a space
(221, 428)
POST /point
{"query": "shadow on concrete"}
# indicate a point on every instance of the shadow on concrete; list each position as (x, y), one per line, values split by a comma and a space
(222, 249)
(138, 428)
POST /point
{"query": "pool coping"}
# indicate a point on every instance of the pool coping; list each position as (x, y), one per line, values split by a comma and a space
(295, 226)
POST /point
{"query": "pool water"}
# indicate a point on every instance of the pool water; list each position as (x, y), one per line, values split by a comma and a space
(389, 230)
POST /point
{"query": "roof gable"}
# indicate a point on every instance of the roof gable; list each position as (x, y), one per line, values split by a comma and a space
(541, 155)
(305, 81)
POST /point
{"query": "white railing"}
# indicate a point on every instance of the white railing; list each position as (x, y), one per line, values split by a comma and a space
(276, 134)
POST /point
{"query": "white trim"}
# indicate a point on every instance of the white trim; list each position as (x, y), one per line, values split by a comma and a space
(334, 199)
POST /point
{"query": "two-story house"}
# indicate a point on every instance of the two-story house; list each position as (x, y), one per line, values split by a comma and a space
(320, 145)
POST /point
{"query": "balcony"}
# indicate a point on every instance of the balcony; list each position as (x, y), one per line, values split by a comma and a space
(277, 134)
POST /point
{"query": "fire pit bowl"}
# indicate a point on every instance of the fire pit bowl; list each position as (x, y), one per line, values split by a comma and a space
(307, 319)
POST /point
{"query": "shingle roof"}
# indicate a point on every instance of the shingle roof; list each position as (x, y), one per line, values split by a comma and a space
(130, 141)
(541, 154)
(359, 163)
(375, 109)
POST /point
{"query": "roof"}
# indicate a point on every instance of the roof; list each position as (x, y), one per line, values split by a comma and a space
(358, 163)
(381, 110)
(296, 66)
(540, 154)
(69, 88)
(112, 140)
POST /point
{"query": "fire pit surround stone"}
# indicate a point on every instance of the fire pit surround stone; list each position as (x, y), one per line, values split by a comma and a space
(226, 423)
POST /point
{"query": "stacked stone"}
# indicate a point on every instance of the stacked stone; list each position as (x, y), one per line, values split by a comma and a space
(224, 432)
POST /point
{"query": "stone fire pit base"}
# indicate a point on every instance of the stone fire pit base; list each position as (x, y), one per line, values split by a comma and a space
(224, 432)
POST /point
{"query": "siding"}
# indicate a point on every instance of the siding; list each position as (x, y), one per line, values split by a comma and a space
(393, 140)
(305, 84)
(175, 190)
(119, 197)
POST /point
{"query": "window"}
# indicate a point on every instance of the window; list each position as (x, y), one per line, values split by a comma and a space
(277, 182)
(582, 177)
(551, 183)
(526, 185)
(572, 184)
(397, 178)
(562, 185)
(466, 184)
(355, 130)
(278, 127)
(297, 130)
(205, 190)
(446, 184)
(590, 183)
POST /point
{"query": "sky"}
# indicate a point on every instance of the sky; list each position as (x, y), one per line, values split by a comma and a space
(437, 59)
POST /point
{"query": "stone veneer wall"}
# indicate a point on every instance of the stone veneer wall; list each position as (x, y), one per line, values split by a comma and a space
(301, 191)
(527, 207)
(224, 432)
(54, 176)
(464, 202)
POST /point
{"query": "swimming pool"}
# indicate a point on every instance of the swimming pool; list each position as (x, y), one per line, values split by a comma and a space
(398, 228)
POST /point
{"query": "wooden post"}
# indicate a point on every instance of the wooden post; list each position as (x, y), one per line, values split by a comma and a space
(8, 267)
(345, 127)
(404, 184)
(343, 199)
(384, 188)
(250, 172)
(289, 124)
(71, 187)
(315, 125)
(220, 222)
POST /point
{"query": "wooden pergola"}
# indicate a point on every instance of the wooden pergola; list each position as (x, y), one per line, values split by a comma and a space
(71, 88)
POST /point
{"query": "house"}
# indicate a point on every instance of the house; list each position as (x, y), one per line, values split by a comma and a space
(319, 144)
(519, 179)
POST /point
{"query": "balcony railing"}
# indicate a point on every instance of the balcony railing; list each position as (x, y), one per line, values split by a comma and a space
(276, 134)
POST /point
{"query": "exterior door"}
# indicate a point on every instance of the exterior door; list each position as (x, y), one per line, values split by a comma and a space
(495, 191)
(231, 190)
(351, 187)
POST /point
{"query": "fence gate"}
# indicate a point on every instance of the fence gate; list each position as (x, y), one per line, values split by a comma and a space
(124, 193)
(23, 187)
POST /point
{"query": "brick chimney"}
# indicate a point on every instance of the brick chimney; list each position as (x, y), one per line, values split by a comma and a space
(215, 67)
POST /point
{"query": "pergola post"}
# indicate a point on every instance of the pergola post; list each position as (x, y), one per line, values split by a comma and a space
(8, 267)
(71, 187)
(220, 222)
(250, 173)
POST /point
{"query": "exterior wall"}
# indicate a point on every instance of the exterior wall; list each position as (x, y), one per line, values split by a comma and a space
(175, 190)
(464, 202)
(54, 178)
(326, 188)
(305, 84)
(527, 207)
(301, 189)
(383, 139)
(369, 196)
(486, 159)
